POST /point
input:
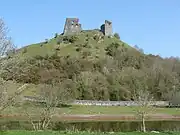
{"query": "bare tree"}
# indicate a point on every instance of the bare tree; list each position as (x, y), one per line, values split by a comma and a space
(5, 46)
(5, 99)
(145, 107)
(53, 96)
(5, 41)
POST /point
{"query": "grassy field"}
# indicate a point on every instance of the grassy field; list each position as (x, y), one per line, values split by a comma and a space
(82, 109)
(81, 133)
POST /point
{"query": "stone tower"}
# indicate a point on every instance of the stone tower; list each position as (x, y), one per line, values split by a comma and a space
(72, 26)
(106, 28)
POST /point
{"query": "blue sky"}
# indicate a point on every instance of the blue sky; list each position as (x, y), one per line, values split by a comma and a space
(154, 25)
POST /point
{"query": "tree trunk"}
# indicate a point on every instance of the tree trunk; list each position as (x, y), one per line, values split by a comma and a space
(143, 123)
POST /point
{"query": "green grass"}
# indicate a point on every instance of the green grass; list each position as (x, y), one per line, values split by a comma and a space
(80, 133)
(96, 48)
(88, 110)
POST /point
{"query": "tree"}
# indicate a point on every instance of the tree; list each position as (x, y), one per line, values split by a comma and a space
(5, 100)
(5, 41)
(116, 35)
(139, 49)
(56, 35)
(5, 46)
(111, 49)
(53, 97)
(144, 100)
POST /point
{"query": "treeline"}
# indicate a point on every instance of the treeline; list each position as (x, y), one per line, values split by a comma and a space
(116, 76)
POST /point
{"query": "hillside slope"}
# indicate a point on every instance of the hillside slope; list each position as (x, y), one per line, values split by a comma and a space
(94, 67)
(90, 41)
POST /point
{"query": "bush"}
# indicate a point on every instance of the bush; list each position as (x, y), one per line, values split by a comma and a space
(57, 48)
(96, 37)
(46, 41)
(112, 48)
(56, 35)
(116, 35)
(78, 49)
(70, 39)
(86, 45)
(58, 42)
(24, 50)
(86, 53)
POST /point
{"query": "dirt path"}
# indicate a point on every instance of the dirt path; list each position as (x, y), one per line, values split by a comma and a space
(155, 117)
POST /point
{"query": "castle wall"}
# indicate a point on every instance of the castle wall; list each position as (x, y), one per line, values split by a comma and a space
(72, 26)
(108, 28)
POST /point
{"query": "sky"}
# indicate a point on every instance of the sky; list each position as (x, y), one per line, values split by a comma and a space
(153, 25)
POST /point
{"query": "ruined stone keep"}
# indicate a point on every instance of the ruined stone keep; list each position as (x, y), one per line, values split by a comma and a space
(72, 26)
(106, 28)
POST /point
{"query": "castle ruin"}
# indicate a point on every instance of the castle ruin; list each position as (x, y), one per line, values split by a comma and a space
(106, 28)
(73, 26)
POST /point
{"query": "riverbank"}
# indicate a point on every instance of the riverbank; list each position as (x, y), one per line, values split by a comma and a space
(82, 133)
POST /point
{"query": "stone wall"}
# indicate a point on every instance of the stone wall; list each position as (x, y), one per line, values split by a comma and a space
(101, 103)
(106, 28)
(72, 26)
(116, 103)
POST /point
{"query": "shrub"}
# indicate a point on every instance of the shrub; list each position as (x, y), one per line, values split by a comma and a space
(58, 42)
(86, 45)
(86, 53)
(116, 35)
(57, 48)
(73, 39)
(56, 35)
(111, 49)
(86, 39)
(78, 49)
(70, 39)
(46, 41)
(96, 37)
(24, 50)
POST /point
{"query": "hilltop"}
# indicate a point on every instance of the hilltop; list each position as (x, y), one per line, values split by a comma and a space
(90, 41)
(93, 67)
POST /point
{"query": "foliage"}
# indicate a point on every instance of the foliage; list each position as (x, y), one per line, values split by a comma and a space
(46, 41)
(5, 41)
(144, 100)
(112, 49)
(56, 35)
(54, 95)
(116, 35)
(24, 50)
(70, 39)
(6, 46)
(114, 68)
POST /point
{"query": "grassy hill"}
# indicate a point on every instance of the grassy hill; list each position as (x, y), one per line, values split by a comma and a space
(93, 66)
(92, 41)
